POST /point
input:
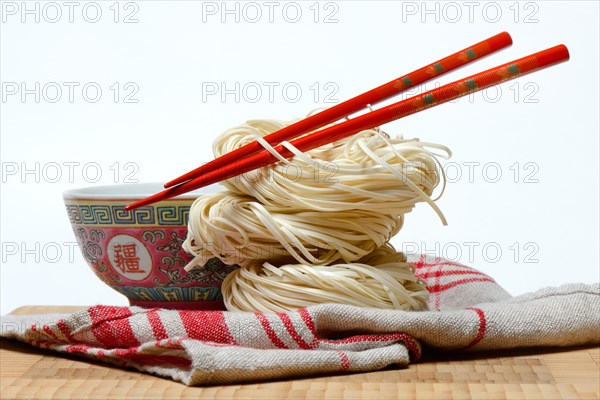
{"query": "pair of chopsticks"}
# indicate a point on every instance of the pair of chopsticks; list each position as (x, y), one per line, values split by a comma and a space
(253, 155)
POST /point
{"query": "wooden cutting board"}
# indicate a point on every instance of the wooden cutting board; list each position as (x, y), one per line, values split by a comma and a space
(573, 373)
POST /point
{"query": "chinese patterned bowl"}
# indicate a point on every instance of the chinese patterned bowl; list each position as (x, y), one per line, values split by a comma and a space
(138, 253)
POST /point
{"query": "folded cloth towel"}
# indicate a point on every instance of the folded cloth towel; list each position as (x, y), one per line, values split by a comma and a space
(467, 311)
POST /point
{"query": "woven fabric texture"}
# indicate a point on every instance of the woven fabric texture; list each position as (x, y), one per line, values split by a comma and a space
(467, 311)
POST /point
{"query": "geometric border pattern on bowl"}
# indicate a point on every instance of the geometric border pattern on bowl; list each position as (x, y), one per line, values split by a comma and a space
(113, 215)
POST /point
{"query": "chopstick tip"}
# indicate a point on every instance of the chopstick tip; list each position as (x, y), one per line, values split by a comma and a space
(507, 36)
(564, 50)
(138, 204)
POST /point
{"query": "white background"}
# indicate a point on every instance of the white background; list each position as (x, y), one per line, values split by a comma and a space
(546, 122)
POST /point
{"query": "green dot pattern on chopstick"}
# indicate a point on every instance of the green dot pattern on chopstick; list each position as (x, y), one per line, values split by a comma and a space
(428, 99)
(439, 68)
(513, 69)
(471, 84)
(406, 81)
(471, 54)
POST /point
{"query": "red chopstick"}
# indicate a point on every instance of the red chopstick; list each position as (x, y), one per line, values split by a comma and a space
(443, 94)
(357, 103)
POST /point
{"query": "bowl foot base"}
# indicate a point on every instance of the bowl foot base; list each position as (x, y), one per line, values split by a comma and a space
(181, 305)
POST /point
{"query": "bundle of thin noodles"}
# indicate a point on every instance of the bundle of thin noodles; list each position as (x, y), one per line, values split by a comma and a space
(330, 207)
(383, 279)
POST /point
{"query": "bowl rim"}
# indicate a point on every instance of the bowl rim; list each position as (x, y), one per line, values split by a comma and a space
(130, 191)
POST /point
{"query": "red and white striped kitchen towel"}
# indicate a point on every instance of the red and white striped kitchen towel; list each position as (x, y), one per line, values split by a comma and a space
(467, 311)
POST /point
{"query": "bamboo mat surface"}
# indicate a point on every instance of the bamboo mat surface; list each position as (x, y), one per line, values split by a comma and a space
(573, 373)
